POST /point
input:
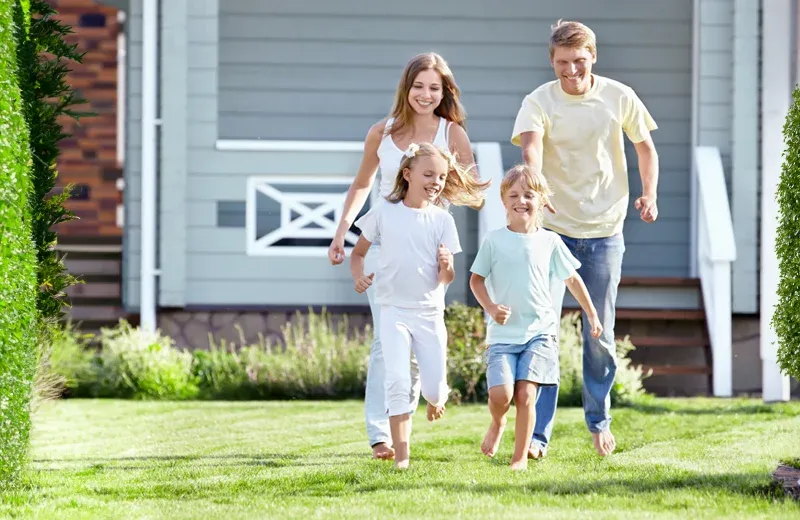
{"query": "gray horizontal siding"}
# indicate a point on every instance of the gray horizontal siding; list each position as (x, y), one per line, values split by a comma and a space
(282, 76)
(131, 234)
(284, 70)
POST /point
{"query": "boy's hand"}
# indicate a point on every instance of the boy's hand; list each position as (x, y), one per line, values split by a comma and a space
(364, 283)
(597, 328)
(445, 258)
(499, 313)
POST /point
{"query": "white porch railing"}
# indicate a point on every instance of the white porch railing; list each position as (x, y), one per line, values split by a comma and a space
(490, 166)
(716, 250)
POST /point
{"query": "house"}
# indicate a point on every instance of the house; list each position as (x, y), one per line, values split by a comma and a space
(245, 121)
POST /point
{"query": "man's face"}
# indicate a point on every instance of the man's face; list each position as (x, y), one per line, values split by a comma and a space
(573, 68)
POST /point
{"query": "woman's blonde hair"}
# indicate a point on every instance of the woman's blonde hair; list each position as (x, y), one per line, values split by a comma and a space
(450, 107)
(461, 188)
(533, 180)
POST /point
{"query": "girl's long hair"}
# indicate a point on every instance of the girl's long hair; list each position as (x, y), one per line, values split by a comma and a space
(461, 188)
(450, 107)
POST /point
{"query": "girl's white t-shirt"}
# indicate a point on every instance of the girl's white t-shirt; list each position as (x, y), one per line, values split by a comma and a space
(408, 266)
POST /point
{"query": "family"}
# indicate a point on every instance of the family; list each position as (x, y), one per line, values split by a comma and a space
(565, 204)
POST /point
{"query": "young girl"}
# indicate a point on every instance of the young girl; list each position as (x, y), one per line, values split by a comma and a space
(418, 240)
(426, 108)
(518, 262)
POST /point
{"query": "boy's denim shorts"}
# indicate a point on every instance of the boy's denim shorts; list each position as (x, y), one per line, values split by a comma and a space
(535, 361)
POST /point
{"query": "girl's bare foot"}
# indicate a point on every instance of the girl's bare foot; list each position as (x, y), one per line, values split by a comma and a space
(382, 451)
(519, 465)
(401, 464)
(491, 441)
(434, 412)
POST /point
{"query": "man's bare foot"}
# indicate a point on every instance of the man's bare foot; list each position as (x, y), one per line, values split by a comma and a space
(382, 451)
(519, 465)
(604, 442)
(491, 441)
(434, 412)
(401, 464)
(534, 453)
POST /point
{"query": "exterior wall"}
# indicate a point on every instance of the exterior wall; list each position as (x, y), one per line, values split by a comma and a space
(728, 119)
(89, 158)
(248, 76)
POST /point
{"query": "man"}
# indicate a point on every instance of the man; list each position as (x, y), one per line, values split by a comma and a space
(572, 130)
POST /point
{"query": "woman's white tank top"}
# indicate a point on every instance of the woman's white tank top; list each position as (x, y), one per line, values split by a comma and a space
(390, 155)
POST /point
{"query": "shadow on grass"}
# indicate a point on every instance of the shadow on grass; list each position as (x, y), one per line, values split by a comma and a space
(156, 462)
(721, 409)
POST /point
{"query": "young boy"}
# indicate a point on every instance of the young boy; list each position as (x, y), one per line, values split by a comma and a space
(518, 262)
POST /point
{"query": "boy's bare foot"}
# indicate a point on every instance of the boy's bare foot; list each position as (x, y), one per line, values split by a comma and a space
(604, 442)
(401, 464)
(519, 465)
(491, 441)
(382, 451)
(434, 412)
(535, 453)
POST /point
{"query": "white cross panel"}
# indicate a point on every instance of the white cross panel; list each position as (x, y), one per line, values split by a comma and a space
(298, 203)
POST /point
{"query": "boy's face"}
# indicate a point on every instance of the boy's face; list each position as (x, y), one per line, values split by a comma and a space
(522, 203)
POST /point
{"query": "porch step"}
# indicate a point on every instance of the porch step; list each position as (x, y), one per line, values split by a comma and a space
(97, 302)
(668, 331)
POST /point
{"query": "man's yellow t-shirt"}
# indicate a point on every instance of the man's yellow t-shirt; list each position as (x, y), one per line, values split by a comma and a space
(583, 155)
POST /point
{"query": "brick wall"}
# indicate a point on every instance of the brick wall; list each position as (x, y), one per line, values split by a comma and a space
(89, 157)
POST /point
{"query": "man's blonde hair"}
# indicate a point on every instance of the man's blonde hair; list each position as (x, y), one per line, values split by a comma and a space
(572, 35)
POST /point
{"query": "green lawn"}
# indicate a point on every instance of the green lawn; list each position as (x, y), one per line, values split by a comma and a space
(125, 459)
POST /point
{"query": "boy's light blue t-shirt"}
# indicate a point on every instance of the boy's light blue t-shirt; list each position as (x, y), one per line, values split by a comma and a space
(518, 268)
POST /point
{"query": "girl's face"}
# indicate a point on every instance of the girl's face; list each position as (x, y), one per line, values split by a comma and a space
(426, 178)
(521, 202)
(426, 92)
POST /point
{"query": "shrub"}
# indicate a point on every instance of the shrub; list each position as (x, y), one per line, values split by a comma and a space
(140, 364)
(786, 319)
(466, 362)
(18, 316)
(318, 361)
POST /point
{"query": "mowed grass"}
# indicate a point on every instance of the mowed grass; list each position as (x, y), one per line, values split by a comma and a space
(694, 458)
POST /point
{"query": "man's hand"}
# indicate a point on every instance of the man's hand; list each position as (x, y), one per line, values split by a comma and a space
(647, 207)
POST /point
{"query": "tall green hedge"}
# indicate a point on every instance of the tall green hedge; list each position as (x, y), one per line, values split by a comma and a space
(18, 314)
(786, 319)
(43, 58)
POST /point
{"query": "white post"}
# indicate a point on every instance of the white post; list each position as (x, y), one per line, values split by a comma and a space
(490, 166)
(147, 282)
(775, 97)
(723, 351)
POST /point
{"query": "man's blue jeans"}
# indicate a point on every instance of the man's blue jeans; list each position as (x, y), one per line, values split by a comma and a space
(601, 268)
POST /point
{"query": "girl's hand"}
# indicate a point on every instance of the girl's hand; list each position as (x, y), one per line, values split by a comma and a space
(445, 258)
(336, 250)
(364, 283)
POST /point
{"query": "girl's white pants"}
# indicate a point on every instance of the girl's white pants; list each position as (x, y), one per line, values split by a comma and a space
(424, 332)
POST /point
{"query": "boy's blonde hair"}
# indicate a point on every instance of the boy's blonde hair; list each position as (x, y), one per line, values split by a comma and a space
(572, 35)
(461, 188)
(533, 180)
